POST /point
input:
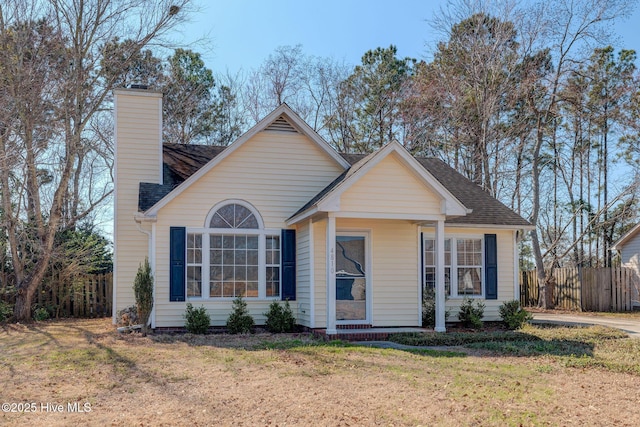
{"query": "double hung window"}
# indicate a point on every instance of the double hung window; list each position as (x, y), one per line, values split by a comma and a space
(463, 263)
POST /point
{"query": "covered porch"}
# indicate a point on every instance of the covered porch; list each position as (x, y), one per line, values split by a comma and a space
(366, 244)
(374, 274)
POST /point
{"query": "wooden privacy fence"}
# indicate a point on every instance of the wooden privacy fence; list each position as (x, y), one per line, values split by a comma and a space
(586, 289)
(82, 296)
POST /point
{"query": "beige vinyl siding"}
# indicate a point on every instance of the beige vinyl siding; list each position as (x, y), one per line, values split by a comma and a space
(320, 273)
(506, 274)
(394, 269)
(303, 271)
(275, 172)
(137, 160)
(390, 187)
(630, 258)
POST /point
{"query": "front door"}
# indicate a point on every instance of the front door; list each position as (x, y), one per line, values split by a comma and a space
(351, 278)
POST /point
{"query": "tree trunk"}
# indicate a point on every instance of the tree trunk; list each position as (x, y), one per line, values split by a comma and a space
(22, 309)
(535, 242)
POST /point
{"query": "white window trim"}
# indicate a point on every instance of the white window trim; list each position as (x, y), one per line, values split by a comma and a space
(262, 259)
(223, 203)
(453, 280)
(194, 264)
(434, 266)
(262, 234)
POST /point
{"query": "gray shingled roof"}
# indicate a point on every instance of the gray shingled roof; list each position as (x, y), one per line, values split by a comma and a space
(486, 210)
(181, 161)
(150, 193)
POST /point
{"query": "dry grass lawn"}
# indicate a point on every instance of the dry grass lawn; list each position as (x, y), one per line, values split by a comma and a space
(289, 380)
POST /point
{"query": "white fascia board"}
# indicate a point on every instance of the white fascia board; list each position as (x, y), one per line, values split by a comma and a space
(451, 205)
(306, 130)
(261, 125)
(624, 239)
(491, 226)
(418, 219)
(302, 216)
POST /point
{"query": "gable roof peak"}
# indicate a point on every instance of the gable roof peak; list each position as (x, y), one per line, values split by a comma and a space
(283, 110)
(281, 124)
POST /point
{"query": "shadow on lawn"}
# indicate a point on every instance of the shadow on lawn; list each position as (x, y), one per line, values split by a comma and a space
(293, 342)
(451, 344)
(508, 343)
(123, 366)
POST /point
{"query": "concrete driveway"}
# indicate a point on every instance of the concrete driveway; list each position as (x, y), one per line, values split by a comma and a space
(626, 324)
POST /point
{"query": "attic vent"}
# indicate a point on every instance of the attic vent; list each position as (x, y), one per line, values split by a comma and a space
(281, 125)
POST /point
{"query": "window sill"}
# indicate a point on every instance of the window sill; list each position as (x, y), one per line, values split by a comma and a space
(225, 299)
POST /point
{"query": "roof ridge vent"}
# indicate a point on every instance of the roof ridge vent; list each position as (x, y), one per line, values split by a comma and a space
(281, 124)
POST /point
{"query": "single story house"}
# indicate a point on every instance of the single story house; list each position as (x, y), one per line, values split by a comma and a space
(628, 246)
(351, 240)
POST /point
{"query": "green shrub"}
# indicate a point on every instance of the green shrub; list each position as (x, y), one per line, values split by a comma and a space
(6, 310)
(429, 309)
(513, 315)
(279, 318)
(197, 320)
(143, 290)
(471, 315)
(240, 321)
(40, 314)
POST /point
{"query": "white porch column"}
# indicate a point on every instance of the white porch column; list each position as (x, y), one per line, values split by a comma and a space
(331, 275)
(152, 263)
(440, 290)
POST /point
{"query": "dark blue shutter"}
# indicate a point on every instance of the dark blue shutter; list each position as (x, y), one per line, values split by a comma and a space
(288, 274)
(491, 266)
(177, 245)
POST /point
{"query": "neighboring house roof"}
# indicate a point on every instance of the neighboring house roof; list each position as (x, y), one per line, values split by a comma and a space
(624, 239)
(182, 161)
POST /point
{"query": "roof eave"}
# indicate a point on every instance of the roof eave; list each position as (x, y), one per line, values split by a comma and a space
(144, 217)
(624, 239)
(302, 215)
(493, 226)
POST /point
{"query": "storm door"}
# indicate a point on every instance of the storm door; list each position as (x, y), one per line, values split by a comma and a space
(351, 278)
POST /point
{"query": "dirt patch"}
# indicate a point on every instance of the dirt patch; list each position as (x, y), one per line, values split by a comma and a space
(267, 379)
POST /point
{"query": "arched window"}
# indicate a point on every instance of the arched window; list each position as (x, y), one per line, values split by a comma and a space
(234, 255)
(233, 215)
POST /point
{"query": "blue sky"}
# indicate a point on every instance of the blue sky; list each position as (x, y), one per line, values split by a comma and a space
(240, 34)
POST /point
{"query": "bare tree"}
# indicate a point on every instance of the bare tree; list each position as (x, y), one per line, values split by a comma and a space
(278, 80)
(567, 28)
(58, 58)
(475, 68)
